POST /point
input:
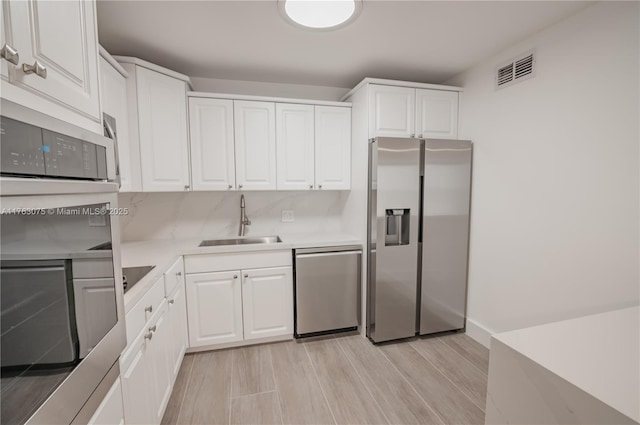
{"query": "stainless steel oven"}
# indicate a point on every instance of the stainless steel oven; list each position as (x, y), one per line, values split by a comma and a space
(62, 314)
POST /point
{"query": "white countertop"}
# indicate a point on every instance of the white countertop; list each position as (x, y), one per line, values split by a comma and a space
(163, 253)
(600, 354)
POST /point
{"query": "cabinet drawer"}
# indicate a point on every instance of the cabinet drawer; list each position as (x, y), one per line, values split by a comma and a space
(205, 263)
(89, 268)
(174, 276)
(144, 309)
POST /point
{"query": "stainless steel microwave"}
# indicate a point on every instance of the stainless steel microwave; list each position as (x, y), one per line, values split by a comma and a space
(61, 299)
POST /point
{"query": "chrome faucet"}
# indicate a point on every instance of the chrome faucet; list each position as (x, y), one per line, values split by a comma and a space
(244, 220)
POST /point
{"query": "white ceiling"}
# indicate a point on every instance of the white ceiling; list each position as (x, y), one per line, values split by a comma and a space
(425, 41)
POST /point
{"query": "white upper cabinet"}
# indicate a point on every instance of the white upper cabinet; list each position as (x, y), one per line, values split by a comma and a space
(295, 146)
(255, 134)
(267, 300)
(58, 49)
(214, 308)
(332, 148)
(391, 111)
(212, 144)
(113, 86)
(436, 114)
(163, 133)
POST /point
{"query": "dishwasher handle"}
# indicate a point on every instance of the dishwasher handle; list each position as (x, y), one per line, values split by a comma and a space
(328, 254)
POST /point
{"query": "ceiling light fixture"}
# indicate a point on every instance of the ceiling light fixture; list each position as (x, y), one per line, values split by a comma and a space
(320, 14)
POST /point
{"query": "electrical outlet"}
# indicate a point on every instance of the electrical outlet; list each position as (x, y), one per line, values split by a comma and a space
(287, 216)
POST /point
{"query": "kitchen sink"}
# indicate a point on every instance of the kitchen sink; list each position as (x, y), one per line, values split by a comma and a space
(241, 241)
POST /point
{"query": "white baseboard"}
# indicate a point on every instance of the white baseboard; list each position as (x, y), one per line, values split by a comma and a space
(478, 332)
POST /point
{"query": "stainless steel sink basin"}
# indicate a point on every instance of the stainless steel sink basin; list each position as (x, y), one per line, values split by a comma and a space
(241, 241)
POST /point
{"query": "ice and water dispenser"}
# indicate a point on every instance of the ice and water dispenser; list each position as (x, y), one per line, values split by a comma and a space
(397, 227)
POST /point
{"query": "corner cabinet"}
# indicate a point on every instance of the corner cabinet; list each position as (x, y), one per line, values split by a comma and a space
(57, 69)
(158, 125)
(239, 297)
(396, 111)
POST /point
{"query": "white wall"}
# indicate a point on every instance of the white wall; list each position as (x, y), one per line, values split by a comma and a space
(206, 215)
(257, 88)
(555, 217)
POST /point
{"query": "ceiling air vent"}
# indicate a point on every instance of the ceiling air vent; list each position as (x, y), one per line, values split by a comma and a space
(516, 70)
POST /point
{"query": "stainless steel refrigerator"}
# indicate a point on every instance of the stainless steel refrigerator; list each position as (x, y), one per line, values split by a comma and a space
(418, 227)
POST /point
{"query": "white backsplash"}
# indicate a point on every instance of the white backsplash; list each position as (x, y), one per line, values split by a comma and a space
(206, 215)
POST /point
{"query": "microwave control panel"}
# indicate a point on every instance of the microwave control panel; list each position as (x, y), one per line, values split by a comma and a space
(33, 151)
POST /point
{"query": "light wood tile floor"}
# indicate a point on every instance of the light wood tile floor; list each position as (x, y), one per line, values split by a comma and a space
(334, 380)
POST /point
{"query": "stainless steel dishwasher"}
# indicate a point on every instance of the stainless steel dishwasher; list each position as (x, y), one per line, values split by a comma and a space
(327, 290)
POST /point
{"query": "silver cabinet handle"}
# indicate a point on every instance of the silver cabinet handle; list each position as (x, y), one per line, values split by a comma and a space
(186, 187)
(149, 336)
(310, 186)
(239, 186)
(235, 276)
(149, 309)
(172, 301)
(229, 187)
(419, 136)
(412, 135)
(319, 186)
(246, 275)
(178, 274)
(10, 54)
(153, 328)
(37, 68)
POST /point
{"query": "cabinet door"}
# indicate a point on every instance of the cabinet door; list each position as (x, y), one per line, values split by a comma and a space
(214, 308)
(113, 87)
(111, 410)
(255, 132)
(62, 36)
(267, 300)
(295, 146)
(212, 144)
(391, 111)
(94, 311)
(437, 114)
(162, 119)
(178, 324)
(333, 147)
(160, 364)
(136, 382)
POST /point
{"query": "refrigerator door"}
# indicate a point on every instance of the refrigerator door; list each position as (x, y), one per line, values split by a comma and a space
(445, 238)
(394, 220)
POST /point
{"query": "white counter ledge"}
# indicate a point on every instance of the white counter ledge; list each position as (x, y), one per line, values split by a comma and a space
(584, 370)
(163, 253)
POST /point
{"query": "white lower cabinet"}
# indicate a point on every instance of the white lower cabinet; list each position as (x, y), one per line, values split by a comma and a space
(250, 302)
(214, 308)
(267, 297)
(150, 363)
(147, 376)
(110, 411)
